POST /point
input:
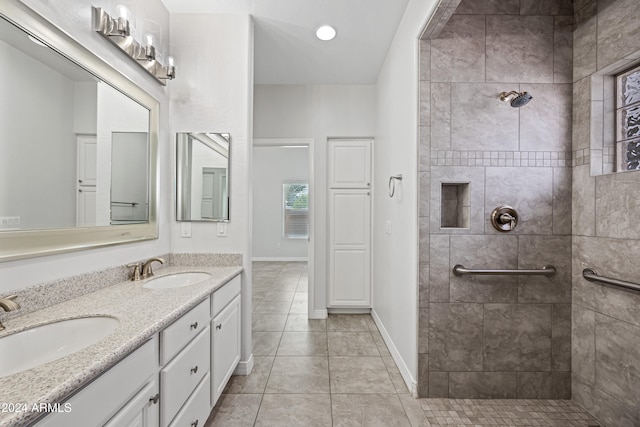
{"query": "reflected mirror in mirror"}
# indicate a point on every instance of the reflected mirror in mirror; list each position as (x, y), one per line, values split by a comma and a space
(202, 167)
(73, 149)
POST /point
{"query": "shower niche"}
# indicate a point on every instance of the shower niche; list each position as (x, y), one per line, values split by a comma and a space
(455, 208)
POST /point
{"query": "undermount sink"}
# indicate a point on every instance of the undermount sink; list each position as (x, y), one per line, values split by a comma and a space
(177, 280)
(46, 343)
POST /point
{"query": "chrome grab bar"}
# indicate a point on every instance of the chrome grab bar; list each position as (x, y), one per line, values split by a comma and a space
(591, 275)
(547, 270)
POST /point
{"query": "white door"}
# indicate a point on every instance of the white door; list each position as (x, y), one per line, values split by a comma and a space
(87, 160)
(86, 182)
(86, 206)
(349, 163)
(350, 248)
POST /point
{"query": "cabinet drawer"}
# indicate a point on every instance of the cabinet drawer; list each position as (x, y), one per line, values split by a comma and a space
(225, 294)
(195, 412)
(180, 377)
(180, 332)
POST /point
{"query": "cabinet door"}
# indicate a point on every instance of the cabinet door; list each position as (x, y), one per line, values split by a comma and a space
(225, 347)
(350, 248)
(141, 411)
(350, 164)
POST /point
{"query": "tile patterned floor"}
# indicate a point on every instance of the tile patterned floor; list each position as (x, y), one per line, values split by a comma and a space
(338, 372)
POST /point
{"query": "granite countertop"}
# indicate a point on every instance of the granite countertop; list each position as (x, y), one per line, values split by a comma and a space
(142, 313)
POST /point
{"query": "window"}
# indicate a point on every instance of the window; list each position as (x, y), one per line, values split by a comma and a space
(295, 197)
(628, 120)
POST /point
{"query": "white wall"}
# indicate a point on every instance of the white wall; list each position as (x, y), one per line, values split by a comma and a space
(42, 194)
(74, 17)
(273, 166)
(214, 54)
(395, 260)
(316, 112)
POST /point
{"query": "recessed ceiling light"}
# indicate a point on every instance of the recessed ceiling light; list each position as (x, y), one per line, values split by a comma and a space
(326, 32)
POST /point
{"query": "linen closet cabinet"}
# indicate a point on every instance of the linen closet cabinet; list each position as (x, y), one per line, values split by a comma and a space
(349, 219)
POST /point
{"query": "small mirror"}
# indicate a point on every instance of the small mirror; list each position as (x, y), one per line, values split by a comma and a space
(202, 168)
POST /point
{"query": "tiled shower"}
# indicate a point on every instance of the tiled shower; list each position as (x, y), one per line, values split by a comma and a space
(511, 336)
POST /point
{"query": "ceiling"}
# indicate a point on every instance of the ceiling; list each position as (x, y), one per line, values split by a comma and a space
(286, 49)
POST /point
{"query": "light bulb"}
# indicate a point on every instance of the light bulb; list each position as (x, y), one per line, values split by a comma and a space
(123, 11)
(150, 39)
(170, 60)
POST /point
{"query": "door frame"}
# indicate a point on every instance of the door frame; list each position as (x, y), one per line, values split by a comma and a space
(308, 143)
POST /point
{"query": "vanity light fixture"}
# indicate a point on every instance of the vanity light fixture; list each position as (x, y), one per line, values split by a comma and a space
(326, 33)
(118, 32)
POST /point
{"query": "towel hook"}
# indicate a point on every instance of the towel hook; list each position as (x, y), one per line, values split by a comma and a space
(392, 183)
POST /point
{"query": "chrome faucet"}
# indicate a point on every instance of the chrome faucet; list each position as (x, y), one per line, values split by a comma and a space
(8, 304)
(146, 267)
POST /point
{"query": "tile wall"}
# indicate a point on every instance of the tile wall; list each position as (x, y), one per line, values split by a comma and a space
(606, 321)
(497, 336)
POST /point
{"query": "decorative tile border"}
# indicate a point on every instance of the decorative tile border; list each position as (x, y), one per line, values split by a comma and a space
(501, 158)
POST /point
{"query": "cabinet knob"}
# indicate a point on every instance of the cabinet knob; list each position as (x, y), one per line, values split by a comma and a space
(219, 326)
(195, 423)
(80, 191)
(368, 184)
(194, 325)
(194, 369)
(154, 399)
(80, 180)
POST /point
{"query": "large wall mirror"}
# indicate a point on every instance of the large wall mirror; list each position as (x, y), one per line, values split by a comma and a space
(78, 144)
(202, 168)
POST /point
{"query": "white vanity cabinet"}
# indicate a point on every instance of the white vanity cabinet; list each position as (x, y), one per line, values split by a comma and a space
(184, 377)
(225, 335)
(124, 396)
(173, 380)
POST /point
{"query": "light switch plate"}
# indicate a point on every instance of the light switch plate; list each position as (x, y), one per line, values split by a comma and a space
(185, 230)
(222, 229)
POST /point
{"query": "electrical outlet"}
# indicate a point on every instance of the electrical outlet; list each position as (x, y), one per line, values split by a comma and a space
(185, 230)
(387, 226)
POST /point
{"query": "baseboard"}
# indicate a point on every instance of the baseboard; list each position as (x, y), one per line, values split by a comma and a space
(410, 382)
(349, 310)
(244, 368)
(279, 259)
(318, 314)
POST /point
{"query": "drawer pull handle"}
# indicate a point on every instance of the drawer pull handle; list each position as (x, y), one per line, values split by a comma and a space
(219, 326)
(194, 424)
(194, 369)
(194, 325)
(155, 398)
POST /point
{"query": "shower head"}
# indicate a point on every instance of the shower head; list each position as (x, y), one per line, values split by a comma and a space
(516, 99)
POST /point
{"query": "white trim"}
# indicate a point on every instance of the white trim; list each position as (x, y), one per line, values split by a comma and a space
(280, 142)
(309, 143)
(410, 382)
(272, 258)
(349, 310)
(244, 368)
(318, 314)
